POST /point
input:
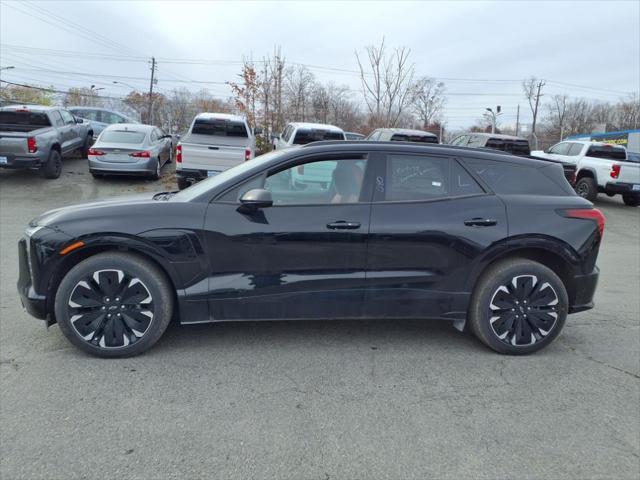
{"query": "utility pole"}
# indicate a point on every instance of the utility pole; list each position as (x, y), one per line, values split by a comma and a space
(153, 71)
(518, 120)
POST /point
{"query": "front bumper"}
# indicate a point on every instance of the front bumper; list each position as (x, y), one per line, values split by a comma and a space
(622, 188)
(584, 289)
(34, 303)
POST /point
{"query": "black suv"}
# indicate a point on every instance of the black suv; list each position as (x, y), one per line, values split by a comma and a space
(352, 229)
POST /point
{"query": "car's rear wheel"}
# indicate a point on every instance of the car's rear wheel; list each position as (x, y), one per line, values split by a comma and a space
(587, 188)
(114, 304)
(158, 171)
(182, 184)
(631, 200)
(84, 151)
(518, 307)
(52, 168)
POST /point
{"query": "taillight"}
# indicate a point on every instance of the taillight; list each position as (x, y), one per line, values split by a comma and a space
(94, 152)
(32, 145)
(143, 154)
(179, 153)
(587, 214)
(615, 171)
(247, 154)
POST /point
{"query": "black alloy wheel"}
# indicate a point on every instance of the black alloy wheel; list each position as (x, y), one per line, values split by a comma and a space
(110, 309)
(523, 311)
(114, 304)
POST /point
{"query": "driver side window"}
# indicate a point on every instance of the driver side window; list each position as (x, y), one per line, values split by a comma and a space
(318, 182)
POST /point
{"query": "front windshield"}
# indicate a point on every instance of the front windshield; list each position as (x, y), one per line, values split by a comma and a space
(210, 183)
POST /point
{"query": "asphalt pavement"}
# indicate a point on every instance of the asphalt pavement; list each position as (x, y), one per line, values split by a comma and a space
(317, 400)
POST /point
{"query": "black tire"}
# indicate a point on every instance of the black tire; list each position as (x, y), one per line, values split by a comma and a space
(97, 175)
(631, 200)
(158, 171)
(52, 168)
(135, 291)
(587, 188)
(182, 183)
(84, 151)
(520, 319)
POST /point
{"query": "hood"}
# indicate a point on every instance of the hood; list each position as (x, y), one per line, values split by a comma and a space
(91, 210)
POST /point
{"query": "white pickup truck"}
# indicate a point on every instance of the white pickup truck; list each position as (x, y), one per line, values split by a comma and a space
(600, 168)
(214, 143)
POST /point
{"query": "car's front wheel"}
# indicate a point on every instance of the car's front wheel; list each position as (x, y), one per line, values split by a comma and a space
(631, 200)
(518, 307)
(114, 304)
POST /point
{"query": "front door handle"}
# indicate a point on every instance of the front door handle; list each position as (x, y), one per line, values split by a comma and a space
(342, 225)
(480, 222)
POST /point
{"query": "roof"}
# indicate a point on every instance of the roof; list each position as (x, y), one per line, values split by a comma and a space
(35, 108)
(134, 127)
(324, 126)
(495, 135)
(220, 116)
(407, 131)
(589, 142)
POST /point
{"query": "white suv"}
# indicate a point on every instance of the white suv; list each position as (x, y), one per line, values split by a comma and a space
(303, 133)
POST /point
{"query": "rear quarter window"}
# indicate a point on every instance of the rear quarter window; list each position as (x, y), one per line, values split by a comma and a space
(398, 137)
(25, 118)
(608, 152)
(307, 135)
(511, 179)
(219, 127)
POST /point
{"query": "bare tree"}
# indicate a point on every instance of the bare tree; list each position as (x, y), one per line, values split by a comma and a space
(83, 96)
(387, 84)
(532, 90)
(558, 112)
(429, 100)
(299, 82)
(627, 113)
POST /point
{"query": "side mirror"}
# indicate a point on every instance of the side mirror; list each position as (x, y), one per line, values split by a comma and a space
(274, 136)
(257, 131)
(546, 150)
(79, 120)
(256, 199)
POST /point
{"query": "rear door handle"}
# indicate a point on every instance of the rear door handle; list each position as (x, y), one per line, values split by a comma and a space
(480, 222)
(342, 225)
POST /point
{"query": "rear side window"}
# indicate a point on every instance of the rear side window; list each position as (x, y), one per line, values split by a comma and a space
(416, 177)
(511, 179)
(122, 136)
(607, 151)
(219, 127)
(308, 135)
(398, 137)
(25, 118)
(574, 149)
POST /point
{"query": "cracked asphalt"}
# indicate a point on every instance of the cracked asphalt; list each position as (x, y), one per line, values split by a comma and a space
(318, 400)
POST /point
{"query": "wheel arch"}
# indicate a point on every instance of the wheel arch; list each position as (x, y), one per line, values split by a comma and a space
(586, 172)
(102, 245)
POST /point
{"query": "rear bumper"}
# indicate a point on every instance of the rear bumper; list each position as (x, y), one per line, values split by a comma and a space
(16, 161)
(584, 291)
(622, 188)
(192, 175)
(145, 166)
(34, 303)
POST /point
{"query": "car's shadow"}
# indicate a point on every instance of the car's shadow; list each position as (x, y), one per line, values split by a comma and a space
(291, 334)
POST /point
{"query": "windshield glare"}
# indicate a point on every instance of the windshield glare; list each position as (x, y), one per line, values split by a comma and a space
(212, 182)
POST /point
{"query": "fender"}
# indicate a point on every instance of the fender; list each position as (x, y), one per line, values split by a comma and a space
(512, 245)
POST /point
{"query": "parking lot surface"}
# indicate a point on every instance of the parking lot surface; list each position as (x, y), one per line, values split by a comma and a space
(318, 400)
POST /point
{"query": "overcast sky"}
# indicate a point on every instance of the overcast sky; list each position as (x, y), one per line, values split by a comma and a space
(481, 50)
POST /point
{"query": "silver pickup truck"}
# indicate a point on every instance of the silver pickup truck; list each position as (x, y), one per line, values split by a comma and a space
(37, 137)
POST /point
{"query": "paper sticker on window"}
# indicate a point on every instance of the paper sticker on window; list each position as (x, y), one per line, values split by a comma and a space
(436, 184)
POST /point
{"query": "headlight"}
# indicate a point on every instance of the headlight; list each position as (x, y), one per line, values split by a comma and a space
(30, 231)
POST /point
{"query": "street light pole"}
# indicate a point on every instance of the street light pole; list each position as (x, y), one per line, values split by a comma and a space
(494, 117)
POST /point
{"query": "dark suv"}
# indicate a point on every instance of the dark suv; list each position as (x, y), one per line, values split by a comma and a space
(492, 242)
